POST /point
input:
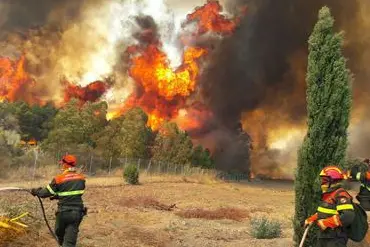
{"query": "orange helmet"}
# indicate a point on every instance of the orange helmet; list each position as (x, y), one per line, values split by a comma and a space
(332, 173)
(69, 160)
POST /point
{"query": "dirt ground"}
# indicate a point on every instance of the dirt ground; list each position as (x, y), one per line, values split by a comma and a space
(124, 215)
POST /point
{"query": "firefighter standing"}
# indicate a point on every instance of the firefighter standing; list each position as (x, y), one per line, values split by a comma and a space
(364, 178)
(68, 188)
(335, 211)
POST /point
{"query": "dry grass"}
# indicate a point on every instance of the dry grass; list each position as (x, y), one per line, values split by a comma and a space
(146, 202)
(216, 214)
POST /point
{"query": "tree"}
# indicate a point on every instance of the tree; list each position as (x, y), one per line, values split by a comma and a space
(328, 108)
(202, 157)
(76, 126)
(172, 145)
(127, 135)
(8, 121)
(34, 121)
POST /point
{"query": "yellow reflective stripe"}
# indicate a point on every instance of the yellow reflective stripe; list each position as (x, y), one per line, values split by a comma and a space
(367, 187)
(336, 220)
(358, 176)
(71, 193)
(322, 225)
(327, 210)
(345, 207)
(50, 190)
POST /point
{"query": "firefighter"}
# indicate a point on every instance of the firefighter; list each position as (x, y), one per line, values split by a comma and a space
(364, 178)
(67, 188)
(335, 211)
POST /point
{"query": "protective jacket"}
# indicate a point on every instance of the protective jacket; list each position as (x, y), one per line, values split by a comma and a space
(334, 214)
(68, 188)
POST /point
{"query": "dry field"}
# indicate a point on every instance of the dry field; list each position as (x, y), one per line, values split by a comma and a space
(145, 215)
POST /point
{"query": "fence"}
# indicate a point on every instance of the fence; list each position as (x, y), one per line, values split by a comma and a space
(37, 164)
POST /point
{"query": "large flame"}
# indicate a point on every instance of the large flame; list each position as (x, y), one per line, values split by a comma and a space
(210, 19)
(15, 82)
(92, 92)
(164, 90)
(161, 89)
(152, 71)
(163, 86)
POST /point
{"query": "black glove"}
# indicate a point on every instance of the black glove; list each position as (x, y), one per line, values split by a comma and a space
(34, 191)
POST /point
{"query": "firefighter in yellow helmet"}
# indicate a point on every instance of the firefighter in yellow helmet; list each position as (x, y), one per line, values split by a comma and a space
(335, 211)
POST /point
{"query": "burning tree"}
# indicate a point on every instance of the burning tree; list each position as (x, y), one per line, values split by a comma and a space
(328, 108)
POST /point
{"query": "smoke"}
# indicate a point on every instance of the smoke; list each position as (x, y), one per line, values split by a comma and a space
(21, 15)
(258, 74)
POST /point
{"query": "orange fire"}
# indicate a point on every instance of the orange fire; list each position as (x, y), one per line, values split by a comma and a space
(163, 86)
(162, 90)
(152, 71)
(210, 19)
(15, 82)
(91, 92)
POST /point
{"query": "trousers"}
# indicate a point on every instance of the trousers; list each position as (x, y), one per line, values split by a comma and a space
(67, 227)
(332, 242)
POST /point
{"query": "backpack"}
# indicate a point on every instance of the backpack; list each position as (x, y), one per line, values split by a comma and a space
(358, 229)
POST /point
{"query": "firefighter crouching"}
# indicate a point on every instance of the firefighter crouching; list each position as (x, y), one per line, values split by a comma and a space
(364, 178)
(335, 211)
(68, 188)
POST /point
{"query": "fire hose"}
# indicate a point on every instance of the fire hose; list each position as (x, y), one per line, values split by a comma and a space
(304, 236)
(41, 205)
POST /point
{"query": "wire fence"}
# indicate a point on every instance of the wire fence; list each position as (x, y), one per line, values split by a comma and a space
(37, 164)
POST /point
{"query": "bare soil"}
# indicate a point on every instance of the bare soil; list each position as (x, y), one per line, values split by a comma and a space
(174, 212)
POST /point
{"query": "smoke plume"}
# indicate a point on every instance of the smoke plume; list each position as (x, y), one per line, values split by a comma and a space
(258, 75)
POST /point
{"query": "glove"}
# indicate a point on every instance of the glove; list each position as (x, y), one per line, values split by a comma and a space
(331, 222)
(310, 220)
(34, 191)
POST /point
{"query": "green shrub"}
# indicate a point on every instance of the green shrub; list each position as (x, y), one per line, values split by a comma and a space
(131, 174)
(264, 229)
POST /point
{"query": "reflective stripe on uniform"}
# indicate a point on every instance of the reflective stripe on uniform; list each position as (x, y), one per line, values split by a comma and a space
(322, 225)
(326, 210)
(367, 187)
(71, 193)
(345, 207)
(358, 176)
(336, 220)
(50, 190)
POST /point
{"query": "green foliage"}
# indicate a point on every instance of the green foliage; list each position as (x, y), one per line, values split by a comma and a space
(328, 107)
(172, 145)
(126, 136)
(131, 174)
(9, 134)
(34, 121)
(8, 120)
(74, 126)
(262, 228)
(202, 158)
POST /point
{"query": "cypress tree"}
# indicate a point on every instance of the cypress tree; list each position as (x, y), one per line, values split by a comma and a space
(328, 108)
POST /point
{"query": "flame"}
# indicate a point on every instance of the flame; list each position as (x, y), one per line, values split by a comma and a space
(15, 83)
(161, 89)
(152, 71)
(92, 92)
(163, 86)
(210, 19)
